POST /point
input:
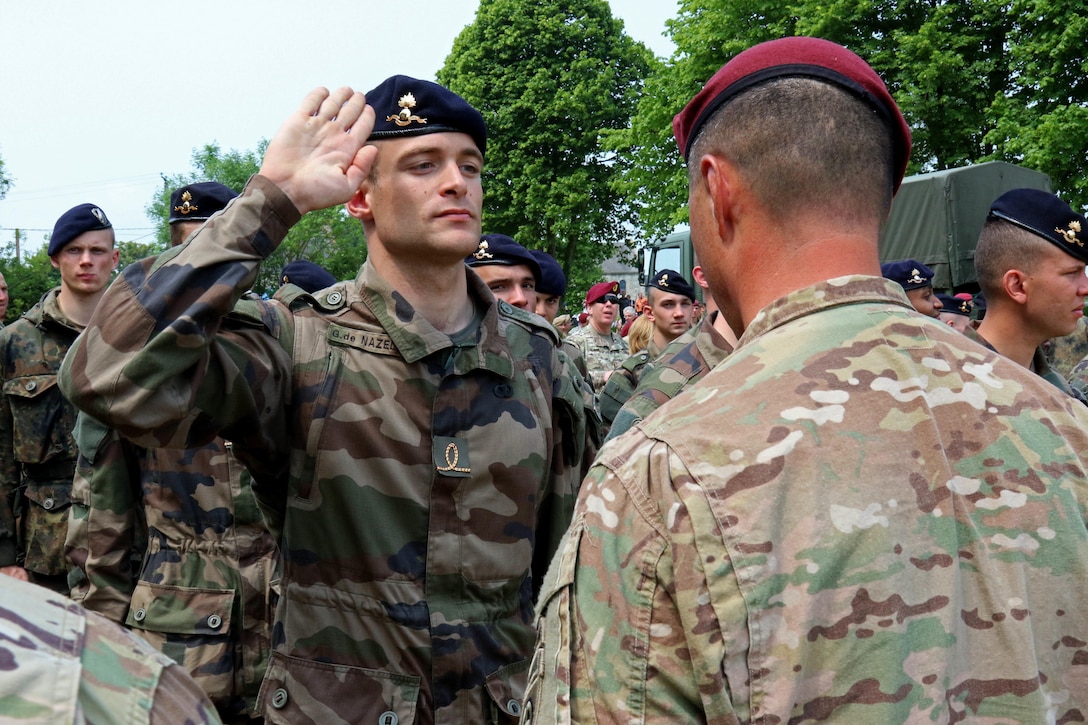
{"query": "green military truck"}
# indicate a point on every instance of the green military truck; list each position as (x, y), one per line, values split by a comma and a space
(936, 218)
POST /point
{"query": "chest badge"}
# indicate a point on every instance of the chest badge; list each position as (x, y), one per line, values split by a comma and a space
(451, 457)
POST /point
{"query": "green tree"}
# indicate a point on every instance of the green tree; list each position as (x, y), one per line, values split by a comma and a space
(28, 278)
(550, 76)
(329, 237)
(977, 81)
(5, 180)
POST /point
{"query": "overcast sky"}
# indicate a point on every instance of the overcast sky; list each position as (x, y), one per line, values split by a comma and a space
(99, 99)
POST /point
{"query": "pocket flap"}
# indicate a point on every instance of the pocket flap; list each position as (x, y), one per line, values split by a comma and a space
(506, 687)
(29, 386)
(180, 610)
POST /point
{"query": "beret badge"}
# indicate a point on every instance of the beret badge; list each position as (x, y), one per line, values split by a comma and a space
(407, 102)
(916, 277)
(1070, 234)
(481, 251)
(186, 206)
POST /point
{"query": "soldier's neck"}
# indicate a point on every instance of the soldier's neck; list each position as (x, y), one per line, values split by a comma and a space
(76, 307)
(438, 292)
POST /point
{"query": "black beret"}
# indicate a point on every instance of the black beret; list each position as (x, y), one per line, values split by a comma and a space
(76, 221)
(307, 275)
(552, 279)
(1045, 215)
(501, 249)
(672, 282)
(807, 57)
(406, 106)
(909, 273)
(955, 305)
(197, 202)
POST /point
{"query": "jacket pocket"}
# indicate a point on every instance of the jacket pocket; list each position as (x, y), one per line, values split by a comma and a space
(303, 691)
(192, 627)
(42, 421)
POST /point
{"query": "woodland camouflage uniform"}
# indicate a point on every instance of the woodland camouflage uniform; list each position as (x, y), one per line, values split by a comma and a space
(430, 479)
(37, 451)
(889, 529)
(203, 594)
(685, 360)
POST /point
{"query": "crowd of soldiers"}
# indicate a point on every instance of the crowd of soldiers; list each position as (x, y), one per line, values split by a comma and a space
(409, 497)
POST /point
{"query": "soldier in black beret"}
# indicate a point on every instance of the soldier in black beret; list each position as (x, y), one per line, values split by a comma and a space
(37, 459)
(1031, 261)
(308, 275)
(551, 287)
(508, 270)
(669, 299)
(193, 204)
(419, 444)
(955, 311)
(916, 279)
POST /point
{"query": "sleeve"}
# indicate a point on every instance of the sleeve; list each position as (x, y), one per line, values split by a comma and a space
(154, 362)
(625, 629)
(104, 519)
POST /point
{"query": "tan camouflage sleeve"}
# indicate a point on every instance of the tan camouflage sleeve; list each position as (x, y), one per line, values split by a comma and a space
(627, 626)
(151, 363)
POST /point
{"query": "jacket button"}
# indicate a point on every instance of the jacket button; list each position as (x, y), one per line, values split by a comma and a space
(215, 621)
(514, 707)
(334, 298)
(31, 386)
(140, 615)
(48, 504)
(388, 718)
(279, 698)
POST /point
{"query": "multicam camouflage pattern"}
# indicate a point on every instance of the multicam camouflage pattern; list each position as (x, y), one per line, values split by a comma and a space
(37, 452)
(860, 517)
(602, 353)
(204, 593)
(63, 664)
(1063, 353)
(429, 482)
(684, 361)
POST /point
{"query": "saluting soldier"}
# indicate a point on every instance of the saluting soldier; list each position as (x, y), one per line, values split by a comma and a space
(431, 436)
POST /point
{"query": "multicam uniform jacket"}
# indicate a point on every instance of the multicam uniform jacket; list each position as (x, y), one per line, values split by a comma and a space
(1039, 365)
(429, 479)
(602, 353)
(63, 664)
(37, 452)
(684, 361)
(860, 516)
(204, 593)
(622, 383)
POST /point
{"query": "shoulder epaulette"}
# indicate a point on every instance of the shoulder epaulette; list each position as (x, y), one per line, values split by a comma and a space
(529, 319)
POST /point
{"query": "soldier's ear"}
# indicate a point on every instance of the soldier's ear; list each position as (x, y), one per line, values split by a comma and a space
(359, 204)
(1014, 283)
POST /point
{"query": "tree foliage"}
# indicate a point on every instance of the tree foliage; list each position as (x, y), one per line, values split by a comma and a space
(550, 77)
(5, 180)
(28, 279)
(329, 237)
(977, 81)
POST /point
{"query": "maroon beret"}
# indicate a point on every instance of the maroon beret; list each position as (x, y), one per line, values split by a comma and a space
(601, 289)
(796, 56)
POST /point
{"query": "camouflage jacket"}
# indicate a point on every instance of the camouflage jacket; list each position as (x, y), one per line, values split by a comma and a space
(602, 353)
(623, 382)
(684, 361)
(37, 452)
(425, 483)
(860, 516)
(63, 664)
(204, 593)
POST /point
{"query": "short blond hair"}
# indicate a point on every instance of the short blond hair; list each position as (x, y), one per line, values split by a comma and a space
(640, 334)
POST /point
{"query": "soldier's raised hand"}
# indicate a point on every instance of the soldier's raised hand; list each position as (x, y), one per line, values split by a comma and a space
(319, 156)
